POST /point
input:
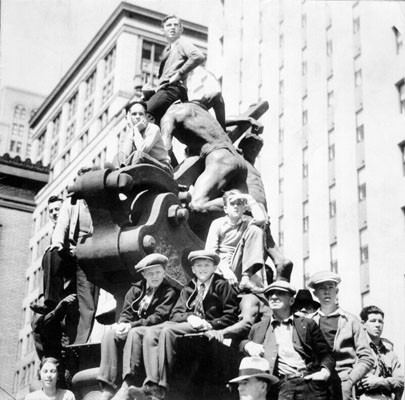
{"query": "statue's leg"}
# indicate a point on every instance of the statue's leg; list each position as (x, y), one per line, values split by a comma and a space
(283, 265)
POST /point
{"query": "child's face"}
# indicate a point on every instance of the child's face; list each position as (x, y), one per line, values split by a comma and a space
(235, 207)
(326, 292)
(136, 113)
(203, 269)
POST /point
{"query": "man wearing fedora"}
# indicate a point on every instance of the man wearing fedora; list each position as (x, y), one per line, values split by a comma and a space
(345, 335)
(304, 303)
(207, 302)
(254, 380)
(294, 346)
(148, 302)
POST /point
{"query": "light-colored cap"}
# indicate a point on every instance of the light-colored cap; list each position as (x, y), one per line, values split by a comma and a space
(323, 276)
(280, 285)
(254, 367)
(207, 254)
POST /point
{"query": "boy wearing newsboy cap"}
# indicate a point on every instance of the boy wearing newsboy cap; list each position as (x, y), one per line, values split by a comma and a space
(148, 302)
(345, 335)
(207, 302)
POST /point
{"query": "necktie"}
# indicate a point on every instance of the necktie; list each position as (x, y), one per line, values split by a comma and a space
(383, 370)
(198, 304)
(145, 302)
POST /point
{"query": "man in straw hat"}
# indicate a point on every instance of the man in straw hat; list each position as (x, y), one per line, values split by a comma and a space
(254, 380)
(294, 346)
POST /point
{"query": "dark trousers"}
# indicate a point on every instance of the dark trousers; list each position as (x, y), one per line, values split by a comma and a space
(164, 98)
(59, 266)
(159, 350)
(121, 357)
(300, 389)
(339, 389)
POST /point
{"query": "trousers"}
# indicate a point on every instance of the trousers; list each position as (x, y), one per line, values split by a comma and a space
(301, 389)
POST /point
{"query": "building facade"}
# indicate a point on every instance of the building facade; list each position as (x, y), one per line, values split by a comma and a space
(16, 109)
(81, 123)
(19, 183)
(333, 74)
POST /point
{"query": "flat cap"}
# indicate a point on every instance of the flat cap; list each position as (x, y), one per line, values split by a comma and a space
(280, 285)
(207, 254)
(323, 276)
(151, 260)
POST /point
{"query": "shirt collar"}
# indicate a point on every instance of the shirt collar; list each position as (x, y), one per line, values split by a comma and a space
(337, 312)
(288, 321)
(206, 283)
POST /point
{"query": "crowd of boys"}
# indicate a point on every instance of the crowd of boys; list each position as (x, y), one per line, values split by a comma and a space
(290, 347)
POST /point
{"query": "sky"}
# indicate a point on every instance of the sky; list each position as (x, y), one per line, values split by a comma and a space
(40, 39)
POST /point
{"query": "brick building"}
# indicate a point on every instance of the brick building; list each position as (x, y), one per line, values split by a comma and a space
(19, 183)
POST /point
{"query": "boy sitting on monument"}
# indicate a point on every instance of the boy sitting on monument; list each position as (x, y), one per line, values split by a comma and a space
(238, 239)
(207, 302)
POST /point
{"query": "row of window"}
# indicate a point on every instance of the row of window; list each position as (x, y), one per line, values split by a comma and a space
(23, 377)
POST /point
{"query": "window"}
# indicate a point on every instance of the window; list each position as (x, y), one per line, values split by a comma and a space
(401, 91)
(17, 130)
(281, 178)
(357, 72)
(363, 246)
(281, 88)
(66, 160)
(70, 132)
(72, 107)
(356, 24)
(151, 54)
(304, 65)
(332, 201)
(331, 145)
(305, 268)
(281, 128)
(402, 149)
(361, 183)
(103, 119)
(359, 126)
(90, 85)
(19, 112)
(304, 111)
(109, 62)
(15, 146)
(88, 112)
(33, 112)
(281, 231)
(281, 41)
(398, 39)
(303, 21)
(56, 127)
(305, 217)
(305, 162)
(107, 90)
(84, 140)
(329, 46)
(100, 159)
(54, 150)
(333, 257)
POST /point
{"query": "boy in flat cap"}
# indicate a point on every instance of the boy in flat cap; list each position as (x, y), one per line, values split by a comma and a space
(207, 302)
(344, 334)
(148, 302)
(254, 380)
(294, 346)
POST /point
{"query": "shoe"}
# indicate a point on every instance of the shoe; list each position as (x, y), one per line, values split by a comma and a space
(249, 287)
(38, 309)
(138, 393)
(122, 394)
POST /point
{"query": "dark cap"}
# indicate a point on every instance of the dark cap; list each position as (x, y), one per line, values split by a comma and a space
(151, 260)
(206, 254)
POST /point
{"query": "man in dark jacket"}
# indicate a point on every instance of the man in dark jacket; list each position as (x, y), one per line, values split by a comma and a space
(147, 303)
(294, 346)
(207, 302)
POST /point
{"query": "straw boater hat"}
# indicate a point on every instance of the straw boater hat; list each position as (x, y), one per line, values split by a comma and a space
(254, 367)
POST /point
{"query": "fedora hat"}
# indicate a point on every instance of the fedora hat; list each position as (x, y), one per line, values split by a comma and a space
(254, 367)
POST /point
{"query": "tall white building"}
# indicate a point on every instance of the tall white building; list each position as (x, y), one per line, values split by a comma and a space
(81, 123)
(334, 154)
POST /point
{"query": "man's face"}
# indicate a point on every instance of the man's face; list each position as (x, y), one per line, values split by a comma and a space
(326, 292)
(251, 389)
(279, 300)
(136, 113)
(172, 29)
(154, 276)
(53, 210)
(235, 207)
(374, 325)
(203, 269)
